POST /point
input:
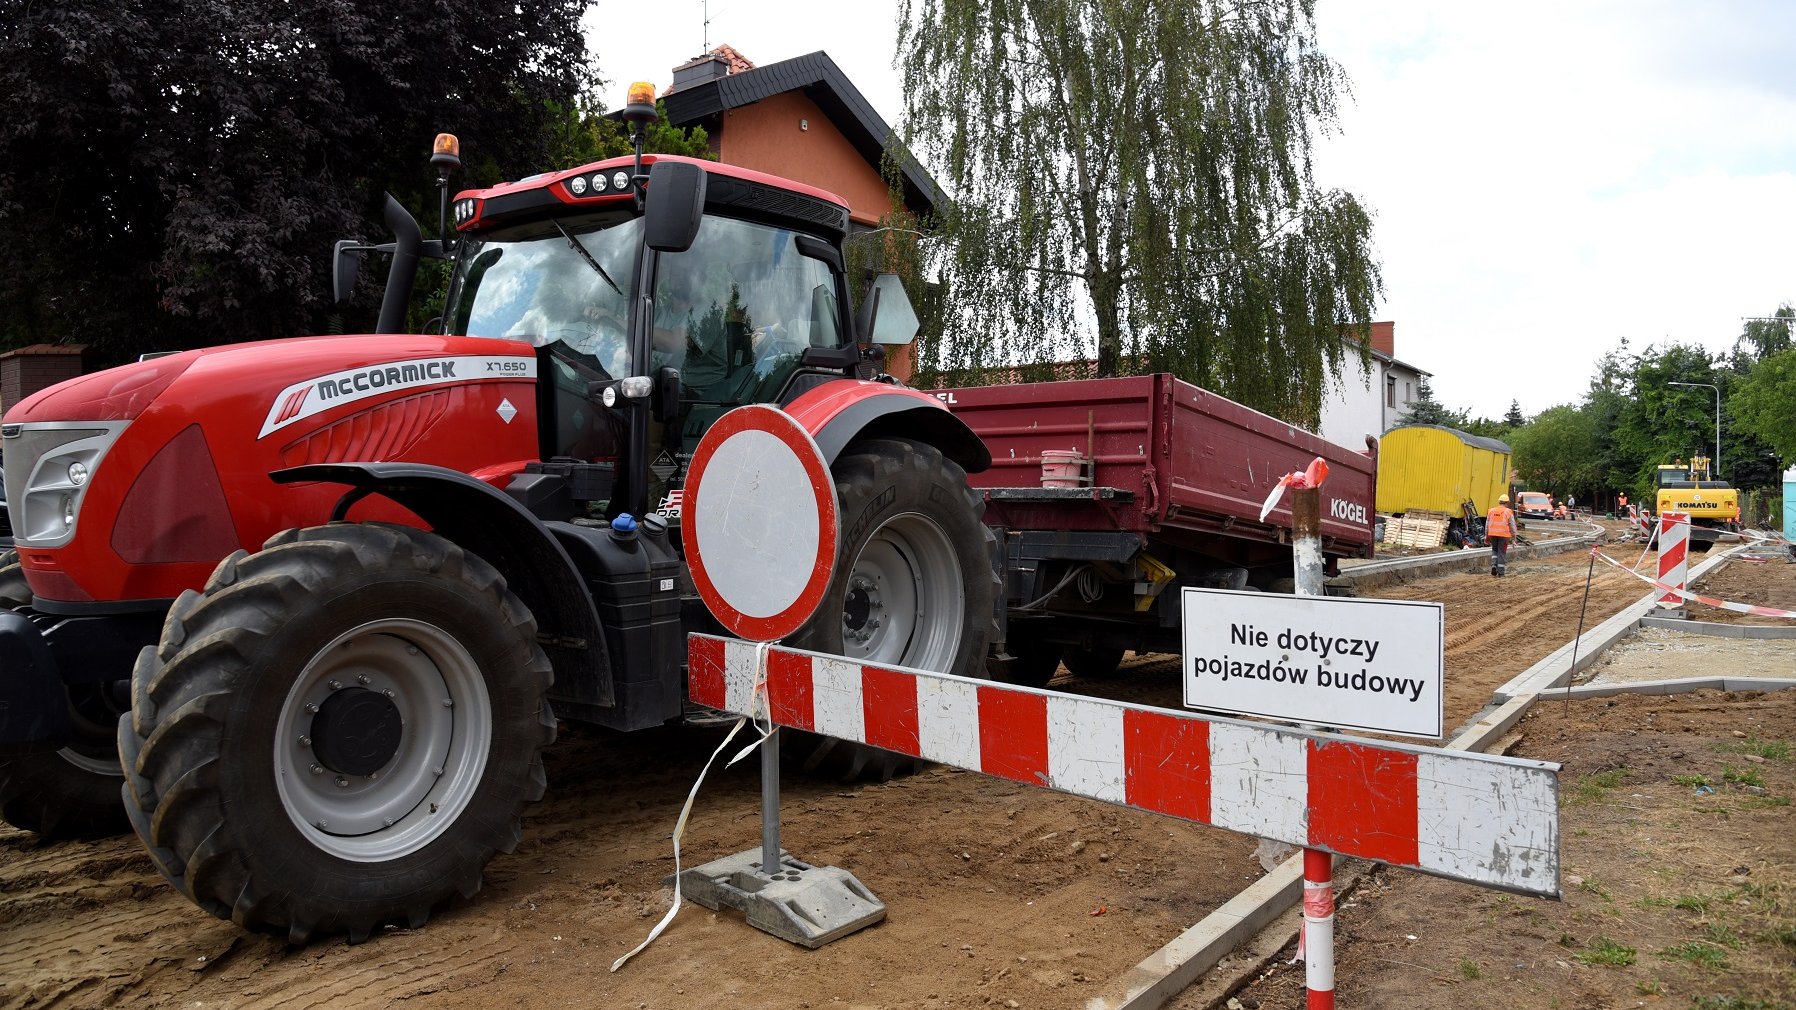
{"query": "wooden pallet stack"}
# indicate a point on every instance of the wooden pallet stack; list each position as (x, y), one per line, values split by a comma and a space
(1417, 528)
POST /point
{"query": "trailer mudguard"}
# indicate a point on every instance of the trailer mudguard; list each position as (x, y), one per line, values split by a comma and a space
(837, 413)
(490, 523)
(34, 709)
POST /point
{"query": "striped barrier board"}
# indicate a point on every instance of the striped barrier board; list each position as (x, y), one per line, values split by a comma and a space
(1481, 818)
(1674, 556)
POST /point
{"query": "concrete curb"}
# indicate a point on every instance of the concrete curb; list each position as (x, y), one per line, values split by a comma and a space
(1671, 687)
(1384, 573)
(1713, 630)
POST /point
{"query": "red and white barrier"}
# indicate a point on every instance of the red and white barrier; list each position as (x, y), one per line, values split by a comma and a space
(1683, 594)
(1674, 556)
(1482, 818)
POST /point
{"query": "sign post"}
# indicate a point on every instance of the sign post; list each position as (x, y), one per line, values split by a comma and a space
(1318, 867)
(760, 529)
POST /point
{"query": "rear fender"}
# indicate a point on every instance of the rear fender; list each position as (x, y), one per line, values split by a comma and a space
(486, 521)
(837, 413)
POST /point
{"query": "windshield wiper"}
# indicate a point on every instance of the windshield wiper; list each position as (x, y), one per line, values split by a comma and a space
(571, 240)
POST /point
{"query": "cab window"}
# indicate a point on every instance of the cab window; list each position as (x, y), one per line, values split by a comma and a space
(735, 312)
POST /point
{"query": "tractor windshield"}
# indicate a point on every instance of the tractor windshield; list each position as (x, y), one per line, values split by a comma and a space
(556, 281)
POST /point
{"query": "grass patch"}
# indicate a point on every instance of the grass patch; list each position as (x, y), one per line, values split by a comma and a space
(1784, 934)
(1595, 888)
(1603, 950)
(1748, 777)
(1650, 987)
(1691, 781)
(1698, 903)
(1723, 935)
(1469, 970)
(1696, 952)
(1596, 788)
(1770, 750)
(1761, 802)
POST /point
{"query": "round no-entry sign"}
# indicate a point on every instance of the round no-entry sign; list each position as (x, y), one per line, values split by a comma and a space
(759, 523)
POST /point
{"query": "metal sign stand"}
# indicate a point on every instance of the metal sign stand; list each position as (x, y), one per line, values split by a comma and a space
(1318, 867)
(735, 556)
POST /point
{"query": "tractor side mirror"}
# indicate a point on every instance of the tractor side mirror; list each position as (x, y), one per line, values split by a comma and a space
(346, 260)
(886, 315)
(676, 205)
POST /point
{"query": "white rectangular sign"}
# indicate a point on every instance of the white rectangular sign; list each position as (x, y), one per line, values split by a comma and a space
(1373, 665)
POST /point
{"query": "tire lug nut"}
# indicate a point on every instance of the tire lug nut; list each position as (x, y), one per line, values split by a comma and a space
(321, 824)
(386, 822)
(342, 783)
(335, 685)
(361, 678)
(311, 708)
(436, 771)
(388, 692)
(448, 702)
(305, 741)
(317, 770)
(411, 650)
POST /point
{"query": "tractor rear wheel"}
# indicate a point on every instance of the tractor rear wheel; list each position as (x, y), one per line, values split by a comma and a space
(339, 732)
(913, 583)
(1034, 662)
(72, 792)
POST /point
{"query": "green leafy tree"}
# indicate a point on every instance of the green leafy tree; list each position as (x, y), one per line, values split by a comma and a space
(174, 174)
(1513, 418)
(1763, 403)
(1556, 452)
(1762, 338)
(1146, 166)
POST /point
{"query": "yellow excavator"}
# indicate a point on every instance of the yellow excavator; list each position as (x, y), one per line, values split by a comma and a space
(1713, 505)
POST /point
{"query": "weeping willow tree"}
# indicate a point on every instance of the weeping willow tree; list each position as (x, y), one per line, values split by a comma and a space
(1142, 166)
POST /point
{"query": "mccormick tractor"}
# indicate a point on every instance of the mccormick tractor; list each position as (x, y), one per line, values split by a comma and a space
(435, 545)
(1713, 505)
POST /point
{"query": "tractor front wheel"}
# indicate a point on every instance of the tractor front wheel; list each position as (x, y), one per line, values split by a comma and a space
(339, 732)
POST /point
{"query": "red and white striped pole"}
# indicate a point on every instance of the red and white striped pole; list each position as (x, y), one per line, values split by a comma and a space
(1674, 556)
(1318, 939)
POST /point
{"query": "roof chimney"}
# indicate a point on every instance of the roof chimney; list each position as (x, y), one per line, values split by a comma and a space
(698, 70)
(1384, 338)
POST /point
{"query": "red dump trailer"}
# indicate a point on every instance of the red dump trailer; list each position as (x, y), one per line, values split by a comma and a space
(1110, 494)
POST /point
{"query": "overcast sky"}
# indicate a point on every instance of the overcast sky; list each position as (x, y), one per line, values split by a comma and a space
(1546, 178)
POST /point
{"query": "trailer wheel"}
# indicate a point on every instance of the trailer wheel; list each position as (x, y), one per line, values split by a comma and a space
(72, 792)
(913, 584)
(1092, 661)
(339, 732)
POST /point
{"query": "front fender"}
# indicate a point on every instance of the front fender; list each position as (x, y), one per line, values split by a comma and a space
(837, 413)
(485, 520)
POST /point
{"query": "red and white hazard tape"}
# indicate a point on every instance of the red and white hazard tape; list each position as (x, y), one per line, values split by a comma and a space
(1481, 818)
(1738, 608)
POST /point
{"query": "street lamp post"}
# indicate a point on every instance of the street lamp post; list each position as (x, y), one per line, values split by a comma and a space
(1715, 466)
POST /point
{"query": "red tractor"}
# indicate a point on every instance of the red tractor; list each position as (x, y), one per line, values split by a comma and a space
(435, 545)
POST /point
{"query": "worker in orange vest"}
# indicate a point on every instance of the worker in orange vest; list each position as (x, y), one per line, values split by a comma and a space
(1499, 530)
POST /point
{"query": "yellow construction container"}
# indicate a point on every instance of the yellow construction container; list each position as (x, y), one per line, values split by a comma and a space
(1431, 467)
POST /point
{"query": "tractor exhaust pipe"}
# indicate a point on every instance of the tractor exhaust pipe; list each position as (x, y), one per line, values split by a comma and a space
(409, 243)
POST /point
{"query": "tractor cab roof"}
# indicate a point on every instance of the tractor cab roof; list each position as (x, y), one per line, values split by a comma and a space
(608, 184)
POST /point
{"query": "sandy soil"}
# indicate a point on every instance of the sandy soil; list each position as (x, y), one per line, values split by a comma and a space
(998, 894)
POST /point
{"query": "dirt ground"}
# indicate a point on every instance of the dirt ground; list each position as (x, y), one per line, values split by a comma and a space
(1000, 895)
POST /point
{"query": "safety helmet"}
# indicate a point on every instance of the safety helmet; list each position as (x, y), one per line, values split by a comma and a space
(1503, 498)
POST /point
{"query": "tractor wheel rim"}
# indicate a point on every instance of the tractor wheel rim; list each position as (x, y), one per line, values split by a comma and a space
(905, 596)
(94, 712)
(436, 690)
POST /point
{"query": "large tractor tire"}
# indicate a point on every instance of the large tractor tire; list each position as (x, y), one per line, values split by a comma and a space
(72, 792)
(339, 732)
(913, 583)
(1033, 662)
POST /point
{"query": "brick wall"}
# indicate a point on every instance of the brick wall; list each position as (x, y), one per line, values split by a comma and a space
(40, 366)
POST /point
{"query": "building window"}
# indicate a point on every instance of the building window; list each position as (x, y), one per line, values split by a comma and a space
(1406, 396)
(1390, 390)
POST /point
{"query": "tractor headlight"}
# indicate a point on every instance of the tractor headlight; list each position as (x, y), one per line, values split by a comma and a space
(50, 466)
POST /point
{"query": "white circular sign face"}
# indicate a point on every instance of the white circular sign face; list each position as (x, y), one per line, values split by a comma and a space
(759, 523)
